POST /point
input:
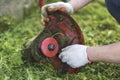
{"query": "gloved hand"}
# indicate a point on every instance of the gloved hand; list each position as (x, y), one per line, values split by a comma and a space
(65, 7)
(74, 55)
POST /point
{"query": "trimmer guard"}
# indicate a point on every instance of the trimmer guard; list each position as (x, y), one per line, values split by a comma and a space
(59, 32)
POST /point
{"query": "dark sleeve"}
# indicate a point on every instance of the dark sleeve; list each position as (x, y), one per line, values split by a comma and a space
(114, 8)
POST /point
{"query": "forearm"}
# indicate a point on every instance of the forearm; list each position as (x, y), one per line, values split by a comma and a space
(77, 4)
(108, 53)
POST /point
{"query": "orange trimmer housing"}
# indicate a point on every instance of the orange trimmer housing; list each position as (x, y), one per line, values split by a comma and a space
(59, 32)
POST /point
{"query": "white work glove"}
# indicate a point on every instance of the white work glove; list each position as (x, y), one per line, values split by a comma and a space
(61, 6)
(74, 55)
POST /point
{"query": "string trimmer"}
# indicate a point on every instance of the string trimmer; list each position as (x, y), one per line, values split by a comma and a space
(59, 32)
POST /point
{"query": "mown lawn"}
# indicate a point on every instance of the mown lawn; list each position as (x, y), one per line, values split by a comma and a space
(98, 27)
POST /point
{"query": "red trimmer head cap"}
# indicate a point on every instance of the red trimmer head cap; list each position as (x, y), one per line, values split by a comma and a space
(59, 32)
(49, 47)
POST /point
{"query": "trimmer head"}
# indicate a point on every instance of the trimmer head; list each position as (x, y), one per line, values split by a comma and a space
(49, 47)
(59, 32)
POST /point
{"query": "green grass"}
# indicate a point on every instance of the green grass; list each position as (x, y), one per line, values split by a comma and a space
(98, 27)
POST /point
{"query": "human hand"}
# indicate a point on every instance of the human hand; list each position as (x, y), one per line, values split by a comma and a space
(74, 55)
(61, 6)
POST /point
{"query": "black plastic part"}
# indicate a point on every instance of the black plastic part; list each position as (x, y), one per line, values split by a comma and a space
(51, 47)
